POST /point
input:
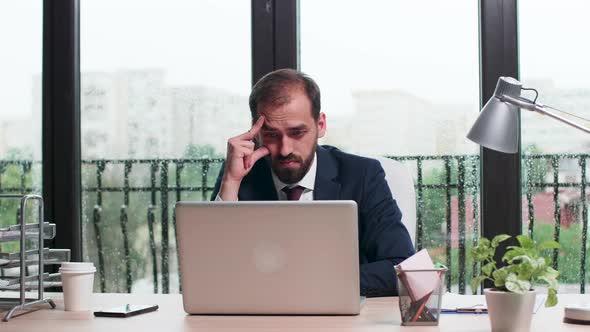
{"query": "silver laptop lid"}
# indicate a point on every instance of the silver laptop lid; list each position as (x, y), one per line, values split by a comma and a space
(269, 257)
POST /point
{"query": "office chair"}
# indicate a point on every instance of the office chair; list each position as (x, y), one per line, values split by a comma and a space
(401, 184)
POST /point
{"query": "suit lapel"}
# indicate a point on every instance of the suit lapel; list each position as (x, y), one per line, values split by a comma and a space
(327, 186)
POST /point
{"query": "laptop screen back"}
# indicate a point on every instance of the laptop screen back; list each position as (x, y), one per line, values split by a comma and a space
(269, 257)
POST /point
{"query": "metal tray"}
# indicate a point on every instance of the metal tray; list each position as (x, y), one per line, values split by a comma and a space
(12, 233)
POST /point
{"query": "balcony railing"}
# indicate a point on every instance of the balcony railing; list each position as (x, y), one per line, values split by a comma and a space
(128, 201)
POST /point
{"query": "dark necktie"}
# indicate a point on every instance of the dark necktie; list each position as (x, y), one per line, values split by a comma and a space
(293, 194)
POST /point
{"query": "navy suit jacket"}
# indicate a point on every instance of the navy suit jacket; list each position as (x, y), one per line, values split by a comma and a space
(383, 239)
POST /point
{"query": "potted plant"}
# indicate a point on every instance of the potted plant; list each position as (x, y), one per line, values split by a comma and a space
(511, 301)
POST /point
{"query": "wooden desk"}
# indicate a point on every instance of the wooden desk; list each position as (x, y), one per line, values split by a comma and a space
(380, 314)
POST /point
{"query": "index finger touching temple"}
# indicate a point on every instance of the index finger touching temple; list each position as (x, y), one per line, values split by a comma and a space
(256, 127)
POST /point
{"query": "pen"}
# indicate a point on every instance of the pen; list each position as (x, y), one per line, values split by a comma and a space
(463, 312)
(471, 310)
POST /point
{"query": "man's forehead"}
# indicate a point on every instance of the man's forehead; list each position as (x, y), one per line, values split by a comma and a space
(278, 125)
(294, 104)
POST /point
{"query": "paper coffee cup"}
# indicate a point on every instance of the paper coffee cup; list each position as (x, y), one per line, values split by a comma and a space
(77, 280)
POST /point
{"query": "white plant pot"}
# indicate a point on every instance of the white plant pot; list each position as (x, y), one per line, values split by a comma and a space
(510, 311)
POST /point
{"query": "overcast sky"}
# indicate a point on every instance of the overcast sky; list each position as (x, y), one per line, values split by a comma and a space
(427, 48)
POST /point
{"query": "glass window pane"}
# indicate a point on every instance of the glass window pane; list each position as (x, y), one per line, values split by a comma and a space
(400, 78)
(157, 79)
(554, 60)
(20, 102)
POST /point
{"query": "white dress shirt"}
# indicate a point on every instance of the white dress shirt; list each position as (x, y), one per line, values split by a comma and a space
(308, 182)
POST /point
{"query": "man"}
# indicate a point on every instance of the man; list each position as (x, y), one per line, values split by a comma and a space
(279, 159)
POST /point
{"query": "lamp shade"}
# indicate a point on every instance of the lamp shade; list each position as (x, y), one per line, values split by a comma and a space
(496, 127)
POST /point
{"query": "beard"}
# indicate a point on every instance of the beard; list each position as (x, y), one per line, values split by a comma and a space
(290, 175)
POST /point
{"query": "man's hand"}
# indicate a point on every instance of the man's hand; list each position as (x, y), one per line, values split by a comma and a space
(240, 158)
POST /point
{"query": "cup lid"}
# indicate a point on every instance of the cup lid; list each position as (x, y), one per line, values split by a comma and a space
(77, 267)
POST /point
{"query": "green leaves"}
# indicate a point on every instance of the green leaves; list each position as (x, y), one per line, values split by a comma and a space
(551, 298)
(486, 271)
(475, 282)
(488, 268)
(483, 251)
(548, 245)
(550, 277)
(525, 266)
(499, 238)
(551, 273)
(525, 241)
(499, 277)
(514, 252)
(516, 285)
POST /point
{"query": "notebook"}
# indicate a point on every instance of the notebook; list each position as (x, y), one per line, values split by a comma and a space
(457, 303)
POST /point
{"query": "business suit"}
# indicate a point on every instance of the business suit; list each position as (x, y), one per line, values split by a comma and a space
(383, 239)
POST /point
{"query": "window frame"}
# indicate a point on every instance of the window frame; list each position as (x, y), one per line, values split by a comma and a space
(61, 123)
(275, 44)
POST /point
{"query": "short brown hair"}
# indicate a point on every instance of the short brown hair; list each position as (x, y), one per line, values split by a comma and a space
(272, 87)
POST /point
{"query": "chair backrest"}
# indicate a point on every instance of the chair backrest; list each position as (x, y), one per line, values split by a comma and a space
(401, 184)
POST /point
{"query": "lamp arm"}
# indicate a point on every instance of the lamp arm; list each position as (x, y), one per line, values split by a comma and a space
(529, 105)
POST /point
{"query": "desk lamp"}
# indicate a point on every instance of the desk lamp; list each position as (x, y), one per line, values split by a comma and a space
(496, 128)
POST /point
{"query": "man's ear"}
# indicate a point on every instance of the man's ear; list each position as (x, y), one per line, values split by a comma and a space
(321, 123)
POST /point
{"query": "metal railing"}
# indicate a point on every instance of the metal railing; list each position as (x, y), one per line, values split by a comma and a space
(466, 184)
(164, 181)
(550, 164)
(159, 190)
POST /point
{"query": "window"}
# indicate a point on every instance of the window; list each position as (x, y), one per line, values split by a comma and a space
(20, 103)
(554, 60)
(155, 77)
(401, 79)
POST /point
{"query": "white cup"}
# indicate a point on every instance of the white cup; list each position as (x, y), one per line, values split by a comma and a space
(77, 282)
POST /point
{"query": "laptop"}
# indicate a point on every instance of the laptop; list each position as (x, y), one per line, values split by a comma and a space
(280, 257)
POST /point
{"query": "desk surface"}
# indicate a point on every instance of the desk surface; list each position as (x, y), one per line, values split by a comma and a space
(378, 314)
